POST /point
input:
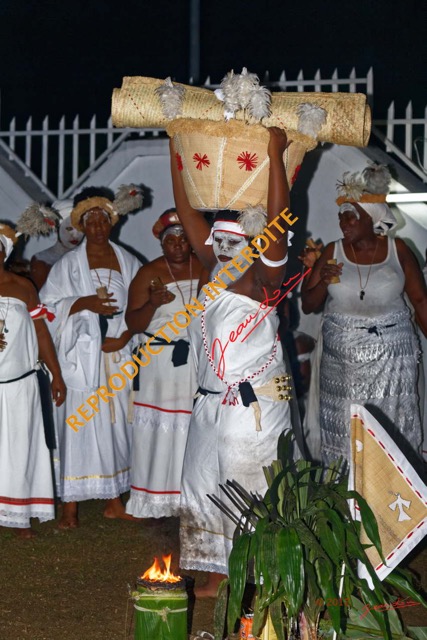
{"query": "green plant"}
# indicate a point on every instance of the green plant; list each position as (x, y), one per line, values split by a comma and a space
(301, 546)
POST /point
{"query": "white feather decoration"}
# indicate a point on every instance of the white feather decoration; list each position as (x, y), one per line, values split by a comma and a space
(259, 106)
(246, 83)
(311, 119)
(171, 97)
(253, 220)
(377, 178)
(230, 91)
(352, 185)
(128, 198)
(37, 219)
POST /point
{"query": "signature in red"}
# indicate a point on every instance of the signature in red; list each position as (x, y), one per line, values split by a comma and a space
(251, 322)
(397, 604)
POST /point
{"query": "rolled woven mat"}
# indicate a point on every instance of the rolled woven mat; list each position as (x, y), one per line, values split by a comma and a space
(348, 116)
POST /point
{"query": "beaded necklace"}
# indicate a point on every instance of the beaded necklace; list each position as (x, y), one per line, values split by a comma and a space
(176, 282)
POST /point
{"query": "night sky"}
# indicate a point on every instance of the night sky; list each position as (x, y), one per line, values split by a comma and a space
(61, 57)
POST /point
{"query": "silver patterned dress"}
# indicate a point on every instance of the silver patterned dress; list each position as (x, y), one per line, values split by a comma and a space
(370, 355)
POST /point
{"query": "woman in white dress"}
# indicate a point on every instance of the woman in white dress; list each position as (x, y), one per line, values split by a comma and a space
(87, 290)
(164, 400)
(26, 483)
(240, 362)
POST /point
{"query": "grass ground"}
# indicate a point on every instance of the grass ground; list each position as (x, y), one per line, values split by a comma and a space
(65, 585)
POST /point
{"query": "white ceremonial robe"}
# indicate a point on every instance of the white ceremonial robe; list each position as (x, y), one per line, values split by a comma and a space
(26, 483)
(240, 336)
(162, 414)
(94, 462)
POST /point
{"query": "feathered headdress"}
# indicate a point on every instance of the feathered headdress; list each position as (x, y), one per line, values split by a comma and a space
(370, 185)
(38, 219)
(129, 197)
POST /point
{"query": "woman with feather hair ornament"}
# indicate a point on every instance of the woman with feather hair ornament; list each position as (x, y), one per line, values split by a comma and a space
(367, 351)
(87, 288)
(26, 483)
(239, 413)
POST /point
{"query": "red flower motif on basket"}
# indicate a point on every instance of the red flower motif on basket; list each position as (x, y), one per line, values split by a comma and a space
(202, 161)
(296, 172)
(179, 161)
(247, 160)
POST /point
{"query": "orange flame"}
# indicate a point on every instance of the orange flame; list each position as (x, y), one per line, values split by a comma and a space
(155, 573)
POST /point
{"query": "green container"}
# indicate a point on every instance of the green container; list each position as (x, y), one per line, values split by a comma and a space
(160, 614)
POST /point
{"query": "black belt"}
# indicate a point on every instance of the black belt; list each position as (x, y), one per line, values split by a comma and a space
(376, 330)
(180, 351)
(24, 375)
(246, 390)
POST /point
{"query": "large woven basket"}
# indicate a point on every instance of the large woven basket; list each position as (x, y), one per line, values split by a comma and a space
(348, 116)
(225, 165)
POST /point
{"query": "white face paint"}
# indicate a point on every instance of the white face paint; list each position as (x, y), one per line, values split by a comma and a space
(68, 236)
(227, 245)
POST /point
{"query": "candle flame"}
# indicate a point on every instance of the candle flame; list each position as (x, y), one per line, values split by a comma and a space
(156, 574)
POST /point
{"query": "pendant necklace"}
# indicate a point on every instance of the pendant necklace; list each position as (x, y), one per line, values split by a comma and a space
(362, 288)
(175, 280)
(103, 290)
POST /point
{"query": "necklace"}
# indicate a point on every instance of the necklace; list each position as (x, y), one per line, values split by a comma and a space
(103, 290)
(362, 288)
(176, 282)
(3, 327)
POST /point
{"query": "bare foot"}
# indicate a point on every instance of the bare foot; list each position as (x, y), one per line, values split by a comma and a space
(69, 518)
(209, 590)
(115, 509)
(25, 534)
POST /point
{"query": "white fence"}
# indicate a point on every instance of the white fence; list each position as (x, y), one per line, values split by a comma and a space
(60, 158)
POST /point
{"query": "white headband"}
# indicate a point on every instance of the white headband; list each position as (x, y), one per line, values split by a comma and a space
(226, 226)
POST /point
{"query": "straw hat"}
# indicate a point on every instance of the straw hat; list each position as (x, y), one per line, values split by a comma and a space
(128, 198)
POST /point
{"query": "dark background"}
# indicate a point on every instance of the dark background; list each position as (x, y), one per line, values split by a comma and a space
(59, 57)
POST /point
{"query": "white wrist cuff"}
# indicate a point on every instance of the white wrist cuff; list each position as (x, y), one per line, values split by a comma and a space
(273, 263)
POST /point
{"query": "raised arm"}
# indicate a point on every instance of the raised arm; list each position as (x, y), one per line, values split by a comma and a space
(314, 289)
(277, 202)
(195, 226)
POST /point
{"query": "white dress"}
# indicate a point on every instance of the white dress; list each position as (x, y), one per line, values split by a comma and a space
(26, 483)
(162, 414)
(94, 462)
(223, 442)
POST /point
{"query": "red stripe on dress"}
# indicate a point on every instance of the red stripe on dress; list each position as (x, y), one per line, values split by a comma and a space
(24, 501)
(156, 492)
(150, 406)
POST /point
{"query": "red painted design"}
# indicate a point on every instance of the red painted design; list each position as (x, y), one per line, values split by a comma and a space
(296, 172)
(247, 160)
(179, 161)
(201, 160)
